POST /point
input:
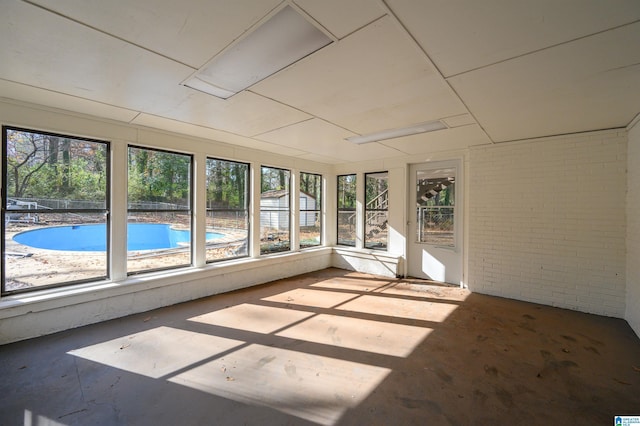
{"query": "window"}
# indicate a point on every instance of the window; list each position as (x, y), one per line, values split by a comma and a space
(436, 206)
(274, 210)
(55, 210)
(347, 210)
(227, 209)
(376, 210)
(159, 200)
(310, 210)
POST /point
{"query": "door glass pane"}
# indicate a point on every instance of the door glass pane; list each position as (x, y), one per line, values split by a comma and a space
(435, 206)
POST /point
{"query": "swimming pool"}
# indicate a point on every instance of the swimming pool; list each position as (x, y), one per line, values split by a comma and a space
(140, 236)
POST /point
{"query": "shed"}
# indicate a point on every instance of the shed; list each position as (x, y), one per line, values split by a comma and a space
(274, 209)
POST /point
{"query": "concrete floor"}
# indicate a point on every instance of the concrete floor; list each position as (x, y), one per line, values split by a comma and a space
(329, 348)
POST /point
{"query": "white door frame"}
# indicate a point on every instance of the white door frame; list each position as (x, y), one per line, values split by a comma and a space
(440, 263)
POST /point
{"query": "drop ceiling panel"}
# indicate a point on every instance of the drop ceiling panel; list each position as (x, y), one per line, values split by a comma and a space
(245, 114)
(189, 31)
(442, 140)
(588, 84)
(464, 35)
(48, 98)
(522, 68)
(322, 138)
(321, 159)
(212, 134)
(53, 53)
(372, 80)
(342, 17)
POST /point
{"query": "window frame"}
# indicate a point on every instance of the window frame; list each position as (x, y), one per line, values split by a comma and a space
(289, 211)
(190, 210)
(353, 210)
(317, 210)
(4, 210)
(247, 210)
(368, 210)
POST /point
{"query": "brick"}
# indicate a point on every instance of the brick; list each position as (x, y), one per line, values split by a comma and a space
(547, 218)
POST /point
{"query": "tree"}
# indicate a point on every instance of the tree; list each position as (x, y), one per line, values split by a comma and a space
(158, 176)
(226, 184)
(274, 179)
(49, 166)
(26, 156)
(347, 192)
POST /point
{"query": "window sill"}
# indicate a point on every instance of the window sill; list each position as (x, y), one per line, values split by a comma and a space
(47, 299)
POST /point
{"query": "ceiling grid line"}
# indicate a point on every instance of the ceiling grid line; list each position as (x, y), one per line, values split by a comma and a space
(542, 49)
(419, 47)
(84, 24)
(492, 73)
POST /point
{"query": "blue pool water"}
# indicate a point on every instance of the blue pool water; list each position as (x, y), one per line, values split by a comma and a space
(140, 236)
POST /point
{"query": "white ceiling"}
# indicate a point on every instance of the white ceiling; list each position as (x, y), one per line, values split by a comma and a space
(493, 71)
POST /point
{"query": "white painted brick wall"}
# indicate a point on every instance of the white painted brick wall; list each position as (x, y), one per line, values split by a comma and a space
(633, 230)
(547, 221)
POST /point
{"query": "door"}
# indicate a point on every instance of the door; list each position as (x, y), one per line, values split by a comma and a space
(435, 221)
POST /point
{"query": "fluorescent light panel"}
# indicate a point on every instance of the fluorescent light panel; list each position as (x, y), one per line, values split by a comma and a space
(429, 126)
(280, 41)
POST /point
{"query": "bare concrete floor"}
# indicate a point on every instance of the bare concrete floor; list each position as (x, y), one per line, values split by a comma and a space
(329, 348)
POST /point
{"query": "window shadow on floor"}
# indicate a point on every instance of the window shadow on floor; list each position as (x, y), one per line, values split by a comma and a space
(331, 347)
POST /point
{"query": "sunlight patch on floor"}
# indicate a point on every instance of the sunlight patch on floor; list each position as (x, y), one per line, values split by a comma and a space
(312, 387)
(400, 308)
(157, 352)
(360, 334)
(255, 318)
(32, 419)
(312, 298)
(353, 285)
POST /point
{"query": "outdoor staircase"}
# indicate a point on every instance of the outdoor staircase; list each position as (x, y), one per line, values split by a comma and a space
(376, 220)
(429, 188)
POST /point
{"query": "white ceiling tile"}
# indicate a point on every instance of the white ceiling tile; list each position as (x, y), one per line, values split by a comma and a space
(459, 120)
(442, 140)
(37, 116)
(341, 17)
(322, 159)
(62, 56)
(162, 123)
(464, 35)
(11, 90)
(521, 68)
(324, 139)
(245, 114)
(372, 80)
(588, 84)
(189, 31)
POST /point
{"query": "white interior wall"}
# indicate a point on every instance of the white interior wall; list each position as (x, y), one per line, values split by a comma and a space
(547, 221)
(632, 314)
